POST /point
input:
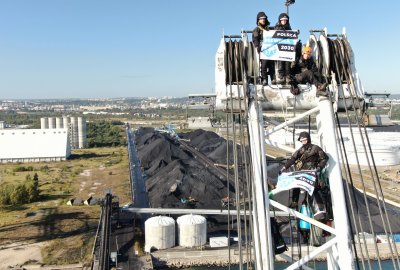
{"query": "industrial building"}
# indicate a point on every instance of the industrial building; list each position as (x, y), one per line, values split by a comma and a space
(76, 127)
(33, 145)
(53, 142)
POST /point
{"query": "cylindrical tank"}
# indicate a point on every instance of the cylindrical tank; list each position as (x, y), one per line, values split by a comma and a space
(52, 123)
(192, 230)
(59, 122)
(74, 132)
(44, 123)
(81, 132)
(66, 122)
(159, 233)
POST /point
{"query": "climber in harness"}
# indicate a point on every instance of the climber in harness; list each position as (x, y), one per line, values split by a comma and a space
(267, 66)
(304, 70)
(308, 157)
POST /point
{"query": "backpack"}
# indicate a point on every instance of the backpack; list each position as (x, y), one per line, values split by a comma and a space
(279, 244)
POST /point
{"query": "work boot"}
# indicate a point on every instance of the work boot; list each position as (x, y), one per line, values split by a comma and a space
(320, 215)
(322, 91)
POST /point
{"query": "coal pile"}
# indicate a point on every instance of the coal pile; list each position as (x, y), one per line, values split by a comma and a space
(173, 174)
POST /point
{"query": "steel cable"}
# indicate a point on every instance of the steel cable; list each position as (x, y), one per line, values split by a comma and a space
(377, 185)
(334, 68)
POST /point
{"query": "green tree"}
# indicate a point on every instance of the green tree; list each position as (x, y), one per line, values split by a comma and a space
(32, 188)
(105, 134)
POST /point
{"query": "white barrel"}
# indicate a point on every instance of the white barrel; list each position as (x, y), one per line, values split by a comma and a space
(159, 233)
(52, 123)
(44, 123)
(81, 132)
(192, 230)
(59, 122)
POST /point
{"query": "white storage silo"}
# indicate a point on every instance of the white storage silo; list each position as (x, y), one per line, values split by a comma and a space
(159, 233)
(66, 122)
(52, 123)
(44, 123)
(74, 132)
(59, 122)
(81, 132)
(192, 230)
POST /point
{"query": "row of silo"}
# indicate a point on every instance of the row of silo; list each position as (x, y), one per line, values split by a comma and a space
(160, 232)
(76, 128)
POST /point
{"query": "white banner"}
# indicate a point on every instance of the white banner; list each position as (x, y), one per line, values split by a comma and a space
(279, 45)
(299, 179)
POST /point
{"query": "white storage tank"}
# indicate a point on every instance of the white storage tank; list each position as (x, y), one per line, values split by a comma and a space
(59, 122)
(52, 123)
(81, 132)
(159, 233)
(44, 123)
(66, 122)
(192, 230)
(74, 132)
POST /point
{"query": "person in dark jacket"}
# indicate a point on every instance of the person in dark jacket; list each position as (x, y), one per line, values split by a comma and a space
(304, 70)
(308, 157)
(283, 66)
(257, 37)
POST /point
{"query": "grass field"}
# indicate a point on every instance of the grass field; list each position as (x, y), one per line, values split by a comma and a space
(67, 230)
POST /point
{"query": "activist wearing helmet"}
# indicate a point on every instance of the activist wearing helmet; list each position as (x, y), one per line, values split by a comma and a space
(284, 16)
(262, 15)
(304, 135)
(307, 50)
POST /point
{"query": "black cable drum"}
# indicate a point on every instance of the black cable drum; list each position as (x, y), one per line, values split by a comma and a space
(339, 64)
(240, 62)
(232, 63)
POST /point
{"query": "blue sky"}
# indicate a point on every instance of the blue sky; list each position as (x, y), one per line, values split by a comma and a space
(127, 48)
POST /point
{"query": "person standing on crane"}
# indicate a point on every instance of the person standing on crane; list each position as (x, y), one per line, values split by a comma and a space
(283, 66)
(308, 157)
(304, 70)
(267, 66)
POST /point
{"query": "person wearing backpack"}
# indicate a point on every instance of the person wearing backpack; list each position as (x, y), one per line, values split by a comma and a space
(308, 157)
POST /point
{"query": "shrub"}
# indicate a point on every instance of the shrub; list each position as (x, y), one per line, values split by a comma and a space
(19, 195)
(23, 169)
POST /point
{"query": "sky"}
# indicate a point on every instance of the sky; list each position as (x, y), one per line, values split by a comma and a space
(139, 48)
